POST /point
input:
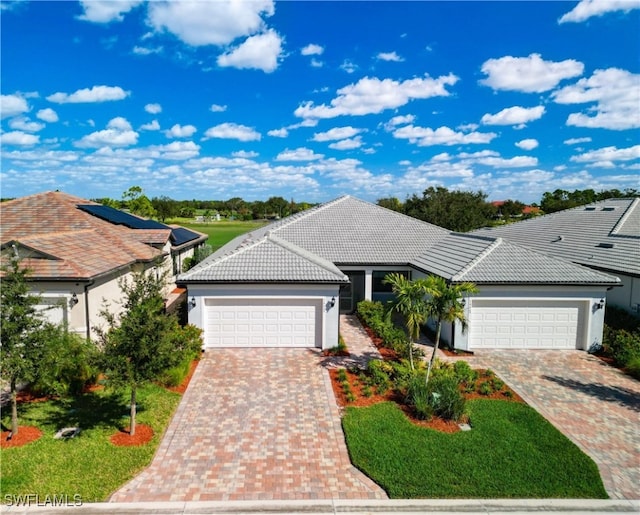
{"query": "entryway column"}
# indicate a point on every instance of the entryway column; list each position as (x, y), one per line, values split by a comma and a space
(368, 283)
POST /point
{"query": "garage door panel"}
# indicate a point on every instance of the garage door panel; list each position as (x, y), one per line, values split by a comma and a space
(262, 322)
(522, 324)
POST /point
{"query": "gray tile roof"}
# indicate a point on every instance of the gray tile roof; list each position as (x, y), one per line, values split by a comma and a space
(486, 260)
(269, 259)
(604, 235)
(307, 247)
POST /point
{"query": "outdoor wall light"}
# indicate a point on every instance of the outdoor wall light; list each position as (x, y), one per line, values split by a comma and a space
(73, 300)
(600, 305)
(332, 302)
(192, 302)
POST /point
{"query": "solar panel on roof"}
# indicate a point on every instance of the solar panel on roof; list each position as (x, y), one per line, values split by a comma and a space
(115, 216)
(180, 235)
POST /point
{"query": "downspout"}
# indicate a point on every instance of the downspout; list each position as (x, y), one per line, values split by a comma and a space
(86, 307)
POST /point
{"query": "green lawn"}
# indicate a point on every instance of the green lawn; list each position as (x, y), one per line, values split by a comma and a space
(88, 465)
(511, 452)
(220, 232)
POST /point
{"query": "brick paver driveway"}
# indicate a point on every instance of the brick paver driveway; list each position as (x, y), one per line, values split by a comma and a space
(254, 424)
(593, 404)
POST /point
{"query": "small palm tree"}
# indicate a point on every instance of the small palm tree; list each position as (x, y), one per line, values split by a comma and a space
(445, 305)
(411, 302)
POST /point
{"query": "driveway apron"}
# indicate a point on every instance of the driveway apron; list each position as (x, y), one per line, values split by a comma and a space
(254, 424)
(592, 403)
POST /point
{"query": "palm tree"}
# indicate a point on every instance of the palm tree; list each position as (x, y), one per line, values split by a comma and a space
(411, 302)
(445, 305)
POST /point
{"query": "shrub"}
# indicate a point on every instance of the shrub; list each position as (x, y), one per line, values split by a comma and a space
(498, 384)
(377, 370)
(623, 346)
(342, 375)
(633, 368)
(417, 396)
(485, 388)
(445, 397)
(188, 343)
(464, 372)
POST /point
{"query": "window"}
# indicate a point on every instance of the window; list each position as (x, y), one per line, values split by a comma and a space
(380, 290)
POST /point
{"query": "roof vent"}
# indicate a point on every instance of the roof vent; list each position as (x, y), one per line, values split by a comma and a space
(559, 238)
(590, 208)
(609, 208)
(605, 245)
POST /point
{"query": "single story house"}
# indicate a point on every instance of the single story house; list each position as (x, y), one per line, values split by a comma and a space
(287, 283)
(603, 236)
(78, 250)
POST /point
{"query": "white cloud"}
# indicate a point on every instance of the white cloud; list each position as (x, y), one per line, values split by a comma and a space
(606, 157)
(336, 133)
(260, 52)
(86, 95)
(180, 131)
(400, 120)
(209, 23)
(348, 66)
(216, 108)
(316, 63)
(299, 154)
(153, 108)
(105, 11)
(47, 115)
(516, 115)
(347, 144)
(151, 126)
(425, 136)
(527, 144)
(278, 133)
(141, 50)
(615, 93)
(312, 50)
(575, 141)
(528, 74)
(514, 162)
(12, 105)
(233, 131)
(389, 56)
(24, 124)
(18, 138)
(245, 154)
(588, 8)
(117, 134)
(372, 96)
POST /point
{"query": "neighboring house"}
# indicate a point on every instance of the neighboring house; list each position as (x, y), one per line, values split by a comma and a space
(285, 284)
(604, 236)
(526, 210)
(77, 251)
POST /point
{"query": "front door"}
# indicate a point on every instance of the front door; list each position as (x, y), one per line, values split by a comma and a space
(352, 293)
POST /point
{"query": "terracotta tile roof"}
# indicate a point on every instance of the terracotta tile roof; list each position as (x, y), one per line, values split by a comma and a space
(58, 240)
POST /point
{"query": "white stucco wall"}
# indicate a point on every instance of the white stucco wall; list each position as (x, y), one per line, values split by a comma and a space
(626, 296)
(325, 292)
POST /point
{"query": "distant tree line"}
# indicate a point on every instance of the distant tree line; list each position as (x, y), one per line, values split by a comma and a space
(464, 211)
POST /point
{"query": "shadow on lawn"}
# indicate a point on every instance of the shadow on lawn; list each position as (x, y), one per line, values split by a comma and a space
(623, 396)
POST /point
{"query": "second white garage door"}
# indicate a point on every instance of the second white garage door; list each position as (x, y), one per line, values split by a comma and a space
(524, 325)
(262, 322)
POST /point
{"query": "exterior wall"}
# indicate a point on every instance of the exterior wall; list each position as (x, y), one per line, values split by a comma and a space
(330, 314)
(591, 322)
(627, 296)
(369, 294)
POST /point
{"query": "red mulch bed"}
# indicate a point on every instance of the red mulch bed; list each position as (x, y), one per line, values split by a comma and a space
(26, 434)
(182, 387)
(143, 435)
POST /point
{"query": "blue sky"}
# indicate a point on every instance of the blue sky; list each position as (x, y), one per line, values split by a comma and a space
(312, 100)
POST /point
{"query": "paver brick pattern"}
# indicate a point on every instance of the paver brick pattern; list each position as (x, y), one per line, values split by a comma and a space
(254, 424)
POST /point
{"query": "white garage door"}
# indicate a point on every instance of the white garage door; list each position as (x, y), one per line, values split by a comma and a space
(260, 322)
(524, 325)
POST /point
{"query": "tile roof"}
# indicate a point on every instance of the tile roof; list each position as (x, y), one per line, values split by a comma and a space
(348, 231)
(486, 260)
(604, 235)
(269, 259)
(60, 241)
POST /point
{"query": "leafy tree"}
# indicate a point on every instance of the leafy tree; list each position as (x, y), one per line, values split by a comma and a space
(164, 207)
(445, 305)
(454, 210)
(23, 328)
(138, 343)
(410, 301)
(138, 203)
(511, 208)
(278, 206)
(559, 200)
(391, 203)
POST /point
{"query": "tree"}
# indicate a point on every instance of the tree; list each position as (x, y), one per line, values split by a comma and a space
(511, 208)
(23, 328)
(138, 203)
(164, 207)
(138, 343)
(410, 301)
(391, 203)
(278, 206)
(445, 304)
(454, 210)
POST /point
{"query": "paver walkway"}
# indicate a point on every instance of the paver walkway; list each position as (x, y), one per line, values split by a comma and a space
(593, 404)
(254, 424)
